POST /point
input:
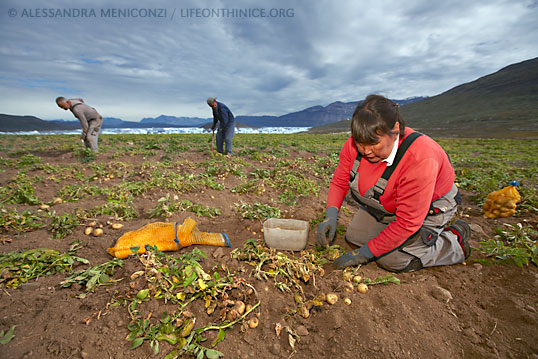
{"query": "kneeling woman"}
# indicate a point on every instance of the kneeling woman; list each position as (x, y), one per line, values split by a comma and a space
(404, 184)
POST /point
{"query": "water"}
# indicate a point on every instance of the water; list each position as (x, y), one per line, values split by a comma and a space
(163, 130)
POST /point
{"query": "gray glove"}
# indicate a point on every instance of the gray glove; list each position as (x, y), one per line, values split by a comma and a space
(327, 228)
(360, 256)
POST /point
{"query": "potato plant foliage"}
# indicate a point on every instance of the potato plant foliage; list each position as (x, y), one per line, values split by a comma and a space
(269, 176)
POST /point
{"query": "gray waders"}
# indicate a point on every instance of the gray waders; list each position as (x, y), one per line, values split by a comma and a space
(94, 126)
(92, 136)
(431, 246)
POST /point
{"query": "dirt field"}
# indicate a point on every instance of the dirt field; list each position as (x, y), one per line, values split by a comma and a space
(464, 311)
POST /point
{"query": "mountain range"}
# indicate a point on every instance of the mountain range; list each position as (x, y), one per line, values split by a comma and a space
(309, 117)
(504, 102)
(12, 123)
(175, 121)
(313, 116)
(501, 104)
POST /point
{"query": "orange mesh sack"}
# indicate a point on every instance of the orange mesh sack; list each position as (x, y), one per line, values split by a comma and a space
(502, 203)
(167, 237)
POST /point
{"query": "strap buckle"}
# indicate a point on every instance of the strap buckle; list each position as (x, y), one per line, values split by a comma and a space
(178, 244)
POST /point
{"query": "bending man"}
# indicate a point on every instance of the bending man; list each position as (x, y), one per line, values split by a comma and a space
(225, 117)
(89, 118)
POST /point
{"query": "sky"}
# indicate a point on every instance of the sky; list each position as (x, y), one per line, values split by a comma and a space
(146, 58)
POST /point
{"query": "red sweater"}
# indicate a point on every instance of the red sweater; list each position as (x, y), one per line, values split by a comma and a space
(423, 175)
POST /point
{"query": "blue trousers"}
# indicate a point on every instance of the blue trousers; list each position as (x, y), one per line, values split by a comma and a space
(225, 135)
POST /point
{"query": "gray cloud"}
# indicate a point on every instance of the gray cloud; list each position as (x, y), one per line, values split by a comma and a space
(141, 67)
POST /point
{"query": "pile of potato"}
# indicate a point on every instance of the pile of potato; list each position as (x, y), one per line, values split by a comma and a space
(501, 203)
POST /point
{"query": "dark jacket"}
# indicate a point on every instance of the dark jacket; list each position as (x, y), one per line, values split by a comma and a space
(223, 115)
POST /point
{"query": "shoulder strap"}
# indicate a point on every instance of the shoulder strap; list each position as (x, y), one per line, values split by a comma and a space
(355, 167)
(399, 153)
(379, 187)
(75, 105)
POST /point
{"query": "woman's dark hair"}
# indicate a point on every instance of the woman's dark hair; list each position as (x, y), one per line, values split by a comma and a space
(375, 117)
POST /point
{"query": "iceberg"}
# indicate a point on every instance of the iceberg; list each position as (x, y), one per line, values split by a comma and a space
(164, 130)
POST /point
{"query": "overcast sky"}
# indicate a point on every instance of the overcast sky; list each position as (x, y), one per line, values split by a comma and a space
(138, 63)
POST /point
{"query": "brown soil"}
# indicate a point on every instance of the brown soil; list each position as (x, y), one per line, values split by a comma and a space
(462, 311)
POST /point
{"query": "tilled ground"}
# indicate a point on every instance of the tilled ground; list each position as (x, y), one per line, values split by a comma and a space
(463, 311)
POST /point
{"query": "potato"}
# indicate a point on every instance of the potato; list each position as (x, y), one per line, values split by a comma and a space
(357, 279)
(88, 231)
(137, 274)
(304, 312)
(44, 206)
(210, 310)
(362, 288)
(506, 213)
(253, 323)
(510, 205)
(347, 276)
(349, 287)
(332, 298)
(239, 307)
(347, 301)
(57, 200)
(117, 226)
(232, 315)
(97, 232)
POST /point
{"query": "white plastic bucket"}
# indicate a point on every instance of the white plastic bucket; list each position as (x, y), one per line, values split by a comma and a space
(285, 234)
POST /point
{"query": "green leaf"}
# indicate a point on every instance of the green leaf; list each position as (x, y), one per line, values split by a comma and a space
(6, 338)
(165, 318)
(137, 342)
(92, 283)
(170, 338)
(220, 337)
(389, 278)
(142, 294)
(132, 335)
(82, 260)
(213, 354)
(167, 328)
(190, 279)
(172, 355)
(104, 278)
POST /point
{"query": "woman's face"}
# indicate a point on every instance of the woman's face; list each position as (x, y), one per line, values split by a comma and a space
(381, 150)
